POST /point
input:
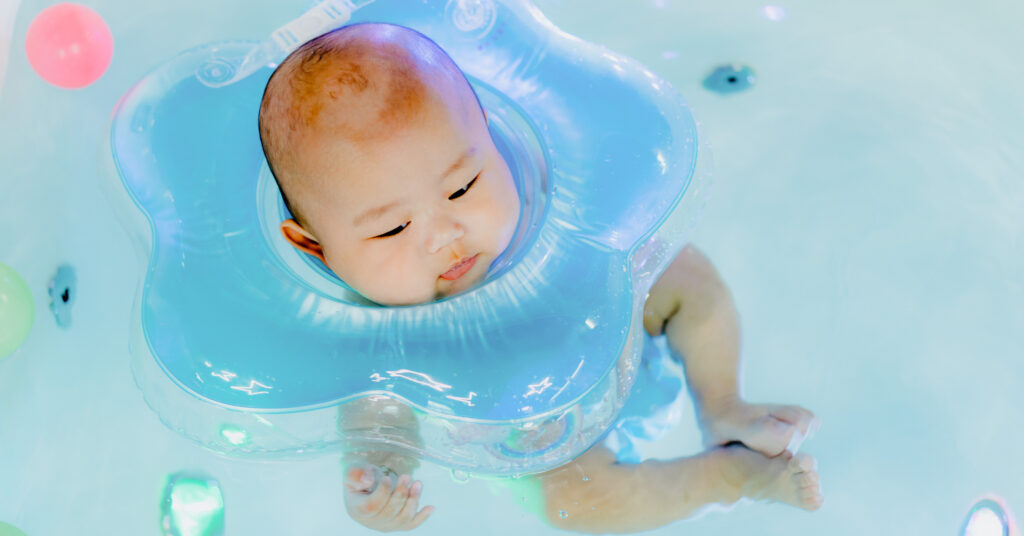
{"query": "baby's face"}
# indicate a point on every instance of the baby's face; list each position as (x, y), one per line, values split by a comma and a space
(418, 213)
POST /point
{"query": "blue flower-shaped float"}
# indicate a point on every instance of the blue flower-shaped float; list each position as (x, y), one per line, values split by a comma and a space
(249, 347)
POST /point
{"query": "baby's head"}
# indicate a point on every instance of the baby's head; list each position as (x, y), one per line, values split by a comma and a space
(383, 156)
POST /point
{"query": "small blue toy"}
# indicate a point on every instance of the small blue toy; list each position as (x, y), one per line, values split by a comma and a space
(730, 78)
(63, 289)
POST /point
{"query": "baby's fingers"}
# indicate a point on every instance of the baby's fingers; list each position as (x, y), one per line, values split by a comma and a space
(408, 518)
(369, 505)
(397, 501)
(419, 518)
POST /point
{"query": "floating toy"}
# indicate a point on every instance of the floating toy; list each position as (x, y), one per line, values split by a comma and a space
(730, 78)
(10, 530)
(989, 517)
(249, 347)
(63, 289)
(16, 310)
(69, 45)
(192, 504)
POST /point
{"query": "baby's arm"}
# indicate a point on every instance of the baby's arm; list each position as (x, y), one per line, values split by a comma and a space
(379, 492)
(692, 306)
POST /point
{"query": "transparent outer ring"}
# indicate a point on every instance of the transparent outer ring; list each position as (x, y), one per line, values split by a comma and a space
(506, 439)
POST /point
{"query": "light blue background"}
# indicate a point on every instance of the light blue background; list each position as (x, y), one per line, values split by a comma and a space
(866, 214)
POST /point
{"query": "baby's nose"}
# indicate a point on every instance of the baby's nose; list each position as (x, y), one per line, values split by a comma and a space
(443, 232)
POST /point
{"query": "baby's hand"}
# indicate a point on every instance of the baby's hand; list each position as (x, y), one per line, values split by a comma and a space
(373, 499)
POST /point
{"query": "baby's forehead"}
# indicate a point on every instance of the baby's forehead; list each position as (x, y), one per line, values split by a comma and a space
(353, 88)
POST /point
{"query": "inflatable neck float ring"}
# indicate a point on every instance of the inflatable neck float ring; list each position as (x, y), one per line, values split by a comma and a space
(249, 347)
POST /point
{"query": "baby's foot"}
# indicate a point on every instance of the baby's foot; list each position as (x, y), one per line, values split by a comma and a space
(789, 479)
(767, 428)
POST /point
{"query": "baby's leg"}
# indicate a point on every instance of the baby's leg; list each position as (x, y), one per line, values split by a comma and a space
(594, 494)
(788, 479)
(693, 307)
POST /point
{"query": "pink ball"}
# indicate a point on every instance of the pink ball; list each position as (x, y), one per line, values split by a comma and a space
(69, 45)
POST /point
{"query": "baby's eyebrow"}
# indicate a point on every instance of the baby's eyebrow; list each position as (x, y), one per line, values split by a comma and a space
(374, 213)
(461, 161)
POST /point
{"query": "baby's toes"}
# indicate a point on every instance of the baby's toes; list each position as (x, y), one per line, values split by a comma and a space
(806, 480)
(772, 437)
(804, 463)
(802, 419)
(811, 499)
(810, 496)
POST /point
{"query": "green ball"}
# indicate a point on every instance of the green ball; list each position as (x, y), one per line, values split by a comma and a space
(16, 311)
(5, 529)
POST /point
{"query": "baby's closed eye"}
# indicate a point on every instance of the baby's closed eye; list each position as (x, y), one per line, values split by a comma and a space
(461, 192)
(394, 231)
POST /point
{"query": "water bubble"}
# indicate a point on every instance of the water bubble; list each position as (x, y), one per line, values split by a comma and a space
(586, 479)
(460, 476)
(234, 434)
(563, 514)
(774, 13)
(215, 71)
(472, 16)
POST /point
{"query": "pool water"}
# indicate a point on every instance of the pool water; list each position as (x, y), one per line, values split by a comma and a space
(867, 216)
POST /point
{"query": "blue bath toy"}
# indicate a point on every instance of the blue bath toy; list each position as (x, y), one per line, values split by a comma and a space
(192, 505)
(730, 79)
(63, 289)
(236, 330)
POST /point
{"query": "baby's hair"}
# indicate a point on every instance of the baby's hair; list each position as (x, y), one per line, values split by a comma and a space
(376, 72)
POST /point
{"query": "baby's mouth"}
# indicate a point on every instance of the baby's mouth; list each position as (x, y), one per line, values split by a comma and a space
(460, 268)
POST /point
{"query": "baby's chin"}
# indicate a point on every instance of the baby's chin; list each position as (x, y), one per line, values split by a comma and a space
(442, 288)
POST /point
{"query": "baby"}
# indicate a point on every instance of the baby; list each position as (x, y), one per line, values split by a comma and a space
(382, 153)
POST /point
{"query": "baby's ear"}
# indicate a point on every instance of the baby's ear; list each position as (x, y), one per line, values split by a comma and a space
(302, 239)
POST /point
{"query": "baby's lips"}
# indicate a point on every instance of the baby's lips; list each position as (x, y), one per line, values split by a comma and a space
(460, 268)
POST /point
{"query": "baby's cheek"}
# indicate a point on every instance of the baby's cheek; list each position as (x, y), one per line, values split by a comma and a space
(509, 200)
(406, 278)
